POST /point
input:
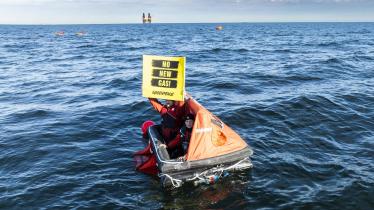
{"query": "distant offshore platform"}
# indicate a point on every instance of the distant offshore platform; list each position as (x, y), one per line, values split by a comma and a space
(147, 19)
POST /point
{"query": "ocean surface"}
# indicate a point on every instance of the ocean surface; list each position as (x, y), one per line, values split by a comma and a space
(301, 94)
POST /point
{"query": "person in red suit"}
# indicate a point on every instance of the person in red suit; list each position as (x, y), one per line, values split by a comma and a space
(172, 114)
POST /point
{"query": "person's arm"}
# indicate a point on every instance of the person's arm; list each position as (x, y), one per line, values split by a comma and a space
(156, 104)
(174, 143)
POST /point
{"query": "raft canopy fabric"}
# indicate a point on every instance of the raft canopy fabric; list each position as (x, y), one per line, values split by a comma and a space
(210, 136)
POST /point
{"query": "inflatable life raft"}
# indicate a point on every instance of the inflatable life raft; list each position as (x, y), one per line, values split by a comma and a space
(214, 150)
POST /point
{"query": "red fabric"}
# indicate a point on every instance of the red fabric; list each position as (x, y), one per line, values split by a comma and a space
(145, 151)
(145, 161)
(176, 112)
(175, 142)
(178, 139)
(149, 167)
(168, 133)
(146, 125)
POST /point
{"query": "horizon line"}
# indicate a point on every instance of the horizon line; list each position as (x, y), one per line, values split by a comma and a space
(155, 23)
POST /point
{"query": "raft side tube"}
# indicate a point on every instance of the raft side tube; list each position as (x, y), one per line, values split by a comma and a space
(190, 174)
(156, 140)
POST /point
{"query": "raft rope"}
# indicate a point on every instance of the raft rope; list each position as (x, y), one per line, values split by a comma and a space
(203, 175)
(175, 182)
(220, 170)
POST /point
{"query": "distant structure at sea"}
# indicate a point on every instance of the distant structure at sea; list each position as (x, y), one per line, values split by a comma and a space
(147, 19)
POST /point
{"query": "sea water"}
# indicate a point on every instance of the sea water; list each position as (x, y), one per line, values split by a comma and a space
(301, 94)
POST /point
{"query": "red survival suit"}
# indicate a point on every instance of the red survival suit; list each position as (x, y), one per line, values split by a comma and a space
(172, 118)
(171, 122)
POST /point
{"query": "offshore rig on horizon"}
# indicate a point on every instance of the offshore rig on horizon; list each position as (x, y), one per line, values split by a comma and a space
(147, 19)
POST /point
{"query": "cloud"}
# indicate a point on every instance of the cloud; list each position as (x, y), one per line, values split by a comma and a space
(314, 1)
(41, 2)
(297, 1)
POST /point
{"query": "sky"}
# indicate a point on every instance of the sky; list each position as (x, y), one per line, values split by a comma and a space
(183, 11)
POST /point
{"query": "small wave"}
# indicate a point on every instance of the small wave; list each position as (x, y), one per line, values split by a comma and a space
(362, 31)
(117, 41)
(283, 51)
(241, 50)
(272, 80)
(310, 111)
(12, 46)
(303, 78)
(119, 83)
(124, 40)
(75, 57)
(133, 59)
(246, 117)
(312, 101)
(137, 106)
(224, 85)
(329, 44)
(32, 114)
(333, 61)
(363, 58)
(86, 46)
(339, 62)
(136, 48)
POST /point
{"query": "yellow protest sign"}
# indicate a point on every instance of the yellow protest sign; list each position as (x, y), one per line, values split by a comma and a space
(163, 77)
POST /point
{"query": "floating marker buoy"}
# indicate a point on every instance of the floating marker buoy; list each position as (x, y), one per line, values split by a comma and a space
(218, 28)
(81, 33)
(59, 33)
